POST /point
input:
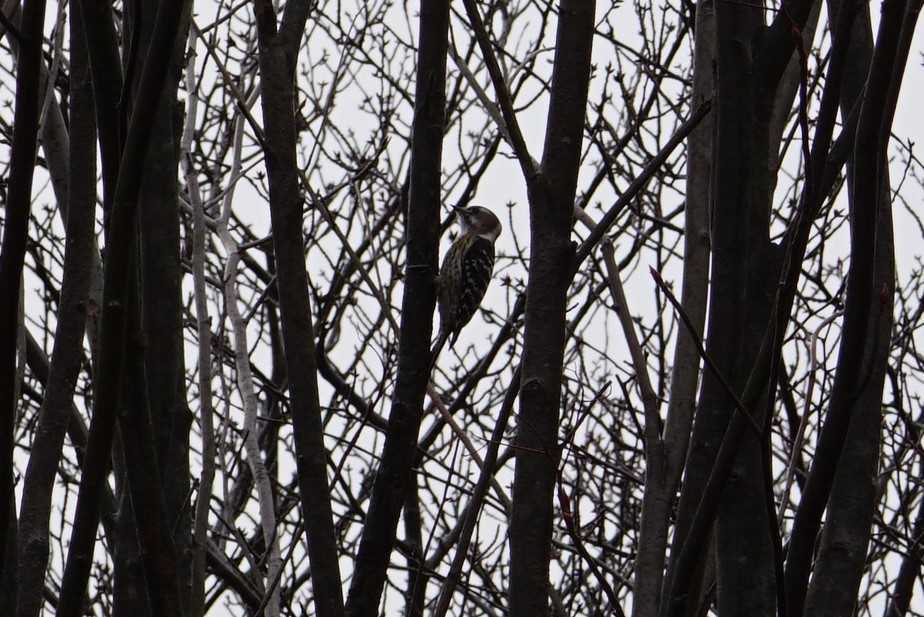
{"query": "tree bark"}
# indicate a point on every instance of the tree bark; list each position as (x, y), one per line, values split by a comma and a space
(551, 206)
(869, 292)
(662, 473)
(423, 215)
(743, 269)
(751, 61)
(278, 63)
(116, 294)
(79, 269)
(13, 248)
(161, 288)
(851, 504)
(741, 266)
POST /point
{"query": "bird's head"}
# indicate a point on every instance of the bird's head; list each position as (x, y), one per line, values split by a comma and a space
(478, 220)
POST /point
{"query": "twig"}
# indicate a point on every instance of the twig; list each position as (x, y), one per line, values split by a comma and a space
(702, 350)
(248, 394)
(504, 100)
(800, 435)
(473, 508)
(649, 398)
(463, 437)
(203, 325)
(641, 181)
(10, 28)
(572, 523)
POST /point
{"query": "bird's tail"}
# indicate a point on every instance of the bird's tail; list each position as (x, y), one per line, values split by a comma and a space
(437, 348)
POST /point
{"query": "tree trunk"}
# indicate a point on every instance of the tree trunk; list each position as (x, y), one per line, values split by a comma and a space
(423, 214)
(551, 199)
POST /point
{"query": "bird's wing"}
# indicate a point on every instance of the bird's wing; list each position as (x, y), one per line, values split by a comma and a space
(477, 267)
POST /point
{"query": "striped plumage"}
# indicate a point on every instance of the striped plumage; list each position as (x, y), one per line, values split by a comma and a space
(466, 272)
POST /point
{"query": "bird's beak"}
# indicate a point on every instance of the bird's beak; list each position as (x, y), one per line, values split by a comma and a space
(459, 212)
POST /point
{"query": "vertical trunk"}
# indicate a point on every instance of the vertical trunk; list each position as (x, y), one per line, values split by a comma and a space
(278, 63)
(745, 554)
(199, 548)
(79, 268)
(161, 276)
(739, 303)
(161, 328)
(13, 248)
(857, 388)
(393, 477)
(551, 199)
(148, 519)
(117, 290)
(685, 366)
(785, 94)
(129, 588)
(841, 557)
(417, 578)
(103, 50)
(9, 589)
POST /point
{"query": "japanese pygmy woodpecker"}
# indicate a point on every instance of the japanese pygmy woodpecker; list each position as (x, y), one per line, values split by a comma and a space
(466, 272)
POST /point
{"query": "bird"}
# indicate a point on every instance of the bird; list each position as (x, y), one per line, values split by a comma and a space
(465, 272)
